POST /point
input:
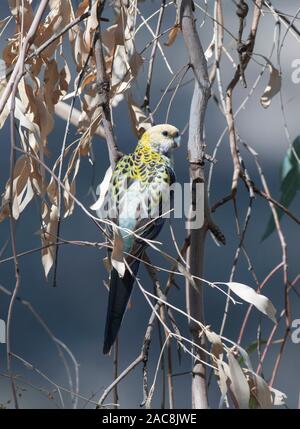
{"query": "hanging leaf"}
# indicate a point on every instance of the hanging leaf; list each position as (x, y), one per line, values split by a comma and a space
(117, 256)
(216, 342)
(222, 376)
(91, 26)
(70, 183)
(261, 302)
(25, 17)
(82, 7)
(290, 183)
(172, 35)
(48, 236)
(251, 349)
(102, 191)
(210, 50)
(278, 398)
(239, 385)
(245, 356)
(273, 86)
(5, 112)
(139, 121)
(22, 189)
(261, 391)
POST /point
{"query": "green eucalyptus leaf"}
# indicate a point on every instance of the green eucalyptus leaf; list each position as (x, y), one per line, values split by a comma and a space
(290, 160)
(251, 348)
(290, 183)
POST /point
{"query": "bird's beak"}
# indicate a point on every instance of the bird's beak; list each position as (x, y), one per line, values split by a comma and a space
(177, 141)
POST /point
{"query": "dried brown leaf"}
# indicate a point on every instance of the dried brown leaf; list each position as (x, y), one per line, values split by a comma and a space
(82, 7)
(216, 342)
(89, 78)
(5, 112)
(117, 257)
(11, 51)
(22, 189)
(52, 191)
(70, 183)
(51, 79)
(173, 33)
(68, 200)
(48, 236)
(116, 35)
(139, 121)
(135, 63)
(91, 26)
(22, 14)
(61, 13)
(64, 80)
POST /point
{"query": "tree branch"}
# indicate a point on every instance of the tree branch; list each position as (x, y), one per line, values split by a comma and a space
(196, 147)
(103, 86)
(245, 53)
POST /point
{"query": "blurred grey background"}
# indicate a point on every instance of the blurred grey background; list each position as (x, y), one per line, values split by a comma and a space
(75, 310)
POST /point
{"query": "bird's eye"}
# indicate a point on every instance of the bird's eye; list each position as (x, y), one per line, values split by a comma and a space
(165, 133)
(176, 134)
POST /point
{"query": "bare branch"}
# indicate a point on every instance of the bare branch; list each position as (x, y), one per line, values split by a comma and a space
(196, 146)
(103, 86)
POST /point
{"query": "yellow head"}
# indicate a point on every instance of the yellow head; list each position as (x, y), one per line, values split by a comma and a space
(161, 138)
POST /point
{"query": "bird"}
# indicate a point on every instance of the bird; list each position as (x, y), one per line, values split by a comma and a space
(139, 183)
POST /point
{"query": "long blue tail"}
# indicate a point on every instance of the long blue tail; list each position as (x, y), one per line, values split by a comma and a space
(119, 293)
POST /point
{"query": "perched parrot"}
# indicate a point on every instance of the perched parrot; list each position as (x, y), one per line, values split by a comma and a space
(139, 183)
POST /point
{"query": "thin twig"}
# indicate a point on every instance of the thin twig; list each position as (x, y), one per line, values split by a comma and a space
(152, 56)
(245, 59)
